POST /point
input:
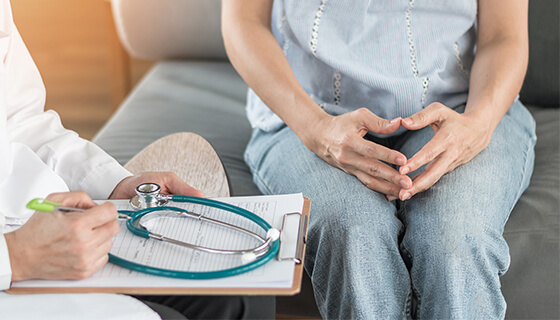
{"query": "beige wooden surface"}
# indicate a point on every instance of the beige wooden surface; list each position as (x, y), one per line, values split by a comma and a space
(189, 156)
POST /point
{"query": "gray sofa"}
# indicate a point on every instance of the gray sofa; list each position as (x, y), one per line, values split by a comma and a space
(194, 88)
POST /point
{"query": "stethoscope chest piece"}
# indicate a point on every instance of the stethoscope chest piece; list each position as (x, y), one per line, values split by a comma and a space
(147, 196)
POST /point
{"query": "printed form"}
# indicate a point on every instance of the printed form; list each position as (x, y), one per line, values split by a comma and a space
(274, 274)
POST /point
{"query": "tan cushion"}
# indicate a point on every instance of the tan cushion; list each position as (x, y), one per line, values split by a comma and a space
(169, 29)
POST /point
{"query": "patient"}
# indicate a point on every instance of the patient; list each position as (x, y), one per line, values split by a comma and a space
(400, 119)
(40, 158)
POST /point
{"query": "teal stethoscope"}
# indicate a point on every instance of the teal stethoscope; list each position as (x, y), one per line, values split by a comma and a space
(148, 200)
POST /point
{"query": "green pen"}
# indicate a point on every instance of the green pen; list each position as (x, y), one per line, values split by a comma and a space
(44, 205)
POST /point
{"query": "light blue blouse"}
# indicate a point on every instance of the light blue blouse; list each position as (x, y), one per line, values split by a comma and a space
(393, 57)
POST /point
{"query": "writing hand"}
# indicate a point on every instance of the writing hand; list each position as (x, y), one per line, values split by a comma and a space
(169, 182)
(458, 138)
(339, 140)
(57, 245)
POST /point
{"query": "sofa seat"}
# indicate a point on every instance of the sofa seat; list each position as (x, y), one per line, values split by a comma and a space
(532, 285)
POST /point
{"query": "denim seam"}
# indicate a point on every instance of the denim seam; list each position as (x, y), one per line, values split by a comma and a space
(418, 297)
(408, 304)
(413, 288)
(262, 183)
(322, 300)
(524, 173)
(502, 271)
(317, 294)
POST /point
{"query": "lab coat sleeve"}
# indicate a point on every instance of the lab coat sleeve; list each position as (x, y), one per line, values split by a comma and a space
(80, 163)
(5, 268)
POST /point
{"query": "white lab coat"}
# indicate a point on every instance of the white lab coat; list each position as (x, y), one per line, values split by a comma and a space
(38, 157)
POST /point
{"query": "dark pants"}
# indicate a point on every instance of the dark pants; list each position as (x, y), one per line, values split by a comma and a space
(212, 307)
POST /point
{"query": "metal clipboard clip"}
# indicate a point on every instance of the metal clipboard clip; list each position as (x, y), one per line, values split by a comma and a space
(301, 237)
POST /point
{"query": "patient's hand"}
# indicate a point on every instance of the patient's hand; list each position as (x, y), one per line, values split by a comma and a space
(339, 140)
(169, 182)
(57, 245)
(458, 138)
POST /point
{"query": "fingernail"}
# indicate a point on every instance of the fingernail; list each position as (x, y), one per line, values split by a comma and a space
(404, 183)
(408, 121)
(394, 121)
(406, 196)
(405, 170)
(400, 161)
(391, 198)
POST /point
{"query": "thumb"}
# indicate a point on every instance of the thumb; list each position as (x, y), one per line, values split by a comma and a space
(424, 118)
(380, 125)
(97, 216)
(176, 185)
(78, 199)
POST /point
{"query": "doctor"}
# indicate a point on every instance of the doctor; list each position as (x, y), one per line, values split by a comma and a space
(40, 158)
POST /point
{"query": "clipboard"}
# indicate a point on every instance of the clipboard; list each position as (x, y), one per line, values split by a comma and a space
(295, 287)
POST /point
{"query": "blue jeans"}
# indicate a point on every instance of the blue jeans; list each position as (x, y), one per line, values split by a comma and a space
(369, 258)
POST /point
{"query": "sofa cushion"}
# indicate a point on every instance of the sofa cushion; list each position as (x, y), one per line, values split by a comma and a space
(542, 85)
(166, 29)
(532, 284)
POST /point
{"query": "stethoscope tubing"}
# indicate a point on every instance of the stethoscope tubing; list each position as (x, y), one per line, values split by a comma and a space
(261, 257)
(197, 275)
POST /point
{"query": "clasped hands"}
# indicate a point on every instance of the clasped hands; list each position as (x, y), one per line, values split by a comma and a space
(339, 141)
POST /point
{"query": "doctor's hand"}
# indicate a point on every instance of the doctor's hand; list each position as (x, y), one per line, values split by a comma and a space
(169, 182)
(57, 245)
(458, 139)
(339, 140)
